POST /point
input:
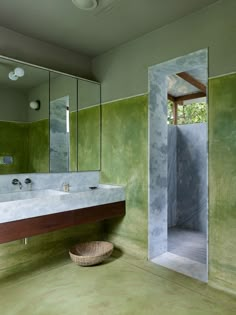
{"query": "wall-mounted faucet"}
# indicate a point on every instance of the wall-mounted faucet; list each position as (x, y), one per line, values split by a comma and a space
(16, 181)
(28, 181)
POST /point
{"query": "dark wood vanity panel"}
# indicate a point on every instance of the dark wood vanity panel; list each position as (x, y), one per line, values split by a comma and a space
(15, 230)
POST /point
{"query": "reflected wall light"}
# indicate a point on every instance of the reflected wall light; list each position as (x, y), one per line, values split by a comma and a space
(35, 105)
(16, 74)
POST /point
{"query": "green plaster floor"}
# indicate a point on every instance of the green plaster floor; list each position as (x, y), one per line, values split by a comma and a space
(123, 285)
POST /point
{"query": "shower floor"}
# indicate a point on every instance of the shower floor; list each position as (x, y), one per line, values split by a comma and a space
(187, 243)
(187, 253)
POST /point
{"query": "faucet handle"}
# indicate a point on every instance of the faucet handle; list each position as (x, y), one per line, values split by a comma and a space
(16, 181)
(28, 181)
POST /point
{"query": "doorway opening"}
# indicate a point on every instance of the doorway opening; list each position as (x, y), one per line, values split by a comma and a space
(178, 165)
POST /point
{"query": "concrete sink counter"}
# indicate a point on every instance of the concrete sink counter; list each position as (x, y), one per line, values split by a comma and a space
(28, 213)
(29, 204)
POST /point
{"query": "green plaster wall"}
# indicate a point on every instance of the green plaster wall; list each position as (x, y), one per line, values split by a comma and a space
(38, 149)
(16, 259)
(14, 142)
(124, 162)
(222, 182)
(28, 143)
(89, 139)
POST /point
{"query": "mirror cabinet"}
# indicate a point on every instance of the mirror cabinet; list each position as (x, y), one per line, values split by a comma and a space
(49, 121)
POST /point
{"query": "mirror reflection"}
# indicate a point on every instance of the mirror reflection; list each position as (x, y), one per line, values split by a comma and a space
(24, 117)
(49, 122)
(63, 123)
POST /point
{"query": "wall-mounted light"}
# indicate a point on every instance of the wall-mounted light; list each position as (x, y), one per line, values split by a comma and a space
(85, 4)
(35, 105)
(16, 74)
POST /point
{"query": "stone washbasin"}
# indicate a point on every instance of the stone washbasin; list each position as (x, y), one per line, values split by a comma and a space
(19, 205)
(22, 195)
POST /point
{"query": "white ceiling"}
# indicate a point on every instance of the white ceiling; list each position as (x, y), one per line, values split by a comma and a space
(112, 23)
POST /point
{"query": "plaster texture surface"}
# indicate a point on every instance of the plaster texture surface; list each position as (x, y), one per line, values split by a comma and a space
(89, 135)
(14, 142)
(38, 147)
(17, 259)
(124, 162)
(122, 285)
(222, 180)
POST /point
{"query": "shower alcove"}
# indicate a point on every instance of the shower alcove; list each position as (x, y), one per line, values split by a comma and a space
(178, 168)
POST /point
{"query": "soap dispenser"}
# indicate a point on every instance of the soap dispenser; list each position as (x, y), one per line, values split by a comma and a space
(66, 187)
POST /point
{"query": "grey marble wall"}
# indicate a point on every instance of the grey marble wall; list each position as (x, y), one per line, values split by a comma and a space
(187, 176)
(172, 175)
(158, 146)
(59, 137)
(192, 193)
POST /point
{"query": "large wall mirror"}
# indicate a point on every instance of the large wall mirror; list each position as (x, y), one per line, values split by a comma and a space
(49, 122)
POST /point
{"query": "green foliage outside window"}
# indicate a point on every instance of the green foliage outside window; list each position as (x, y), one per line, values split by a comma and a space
(188, 114)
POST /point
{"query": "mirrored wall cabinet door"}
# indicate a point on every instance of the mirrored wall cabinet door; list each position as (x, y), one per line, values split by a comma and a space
(24, 114)
(49, 122)
(63, 123)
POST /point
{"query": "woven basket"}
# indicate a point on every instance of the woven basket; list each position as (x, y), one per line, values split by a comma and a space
(90, 253)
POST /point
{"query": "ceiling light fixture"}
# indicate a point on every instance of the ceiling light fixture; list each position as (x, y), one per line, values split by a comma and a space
(85, 4)
(17, 73)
